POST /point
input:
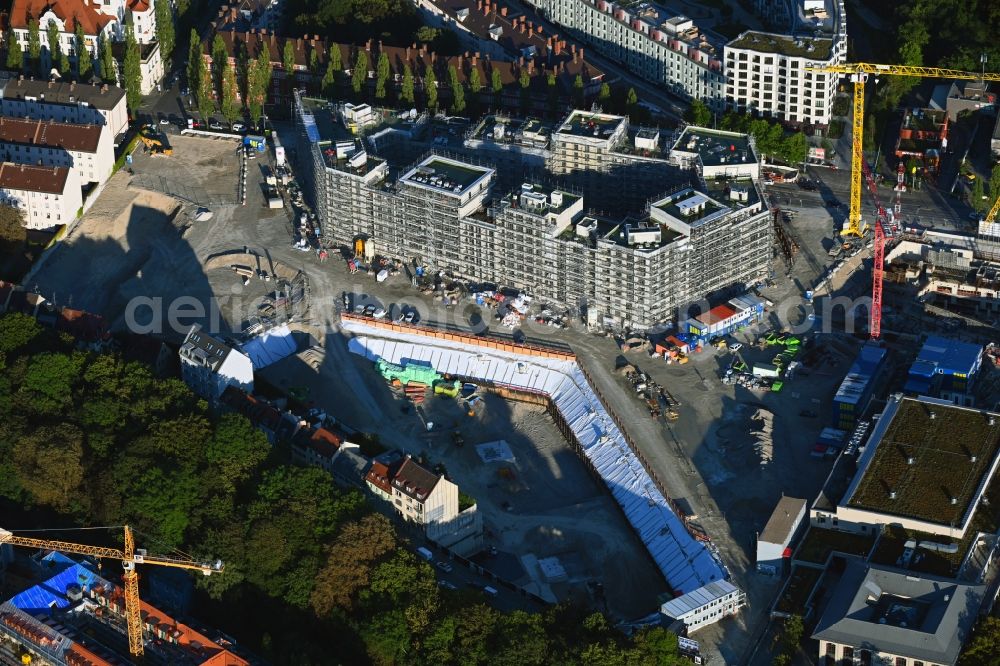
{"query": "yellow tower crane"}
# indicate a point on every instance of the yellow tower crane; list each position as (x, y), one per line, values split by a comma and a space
(129, 556)
(858, 73)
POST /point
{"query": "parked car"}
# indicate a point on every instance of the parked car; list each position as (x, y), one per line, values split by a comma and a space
(379, 313)
(238, 127)
(736, 346)
(409, 317)
(446, 585)
(164, 120)
(976, 217)
(370, 310)
(216, 125)
(445, 567)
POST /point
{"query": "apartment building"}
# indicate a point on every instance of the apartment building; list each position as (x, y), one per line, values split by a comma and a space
(86, 149)
(636, 268)
(76, 103)
(651, 42)
(209, 365)
(47, 196)
(766, 74)
(759, 72)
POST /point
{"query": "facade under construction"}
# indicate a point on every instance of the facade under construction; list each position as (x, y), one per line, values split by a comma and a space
(690, 221)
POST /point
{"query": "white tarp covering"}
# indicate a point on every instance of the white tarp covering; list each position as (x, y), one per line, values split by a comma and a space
(270, 347)
(686, 563)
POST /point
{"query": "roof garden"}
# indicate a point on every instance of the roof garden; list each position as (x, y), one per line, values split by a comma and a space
(587, 124)
(716, 148)
(446, 175)
(641, 235)
(796, 47)
(903, 475)
(532, 132)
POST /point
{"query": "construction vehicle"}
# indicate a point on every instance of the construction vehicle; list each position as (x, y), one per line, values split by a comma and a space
(858, 74)
(129, 556)
(156, 142)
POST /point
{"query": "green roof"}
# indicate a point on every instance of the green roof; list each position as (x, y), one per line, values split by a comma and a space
(928, 460)
(766, 42)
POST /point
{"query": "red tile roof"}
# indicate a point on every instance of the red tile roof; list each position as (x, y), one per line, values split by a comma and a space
(33, 178)
(380, 476)
(414, 481)
(69, 11)
(78, 655)
(139, 6)
(82, 138)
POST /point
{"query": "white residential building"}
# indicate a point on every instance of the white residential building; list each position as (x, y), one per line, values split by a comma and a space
(47, 196)
(65, 102)
(759, 72)
(706, 605)
(650, 41)
(87, 149)
(209, 365)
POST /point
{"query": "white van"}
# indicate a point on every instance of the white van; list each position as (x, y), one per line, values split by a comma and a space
(491, 591)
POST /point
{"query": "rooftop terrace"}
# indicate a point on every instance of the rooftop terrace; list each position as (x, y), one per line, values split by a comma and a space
(530, 133)
(716, 148)
(903, 475)
(801, 47)
(446, 175)
(543, 199)
(586, 124)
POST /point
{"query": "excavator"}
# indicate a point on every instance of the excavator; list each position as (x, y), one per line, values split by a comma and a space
(156, 142)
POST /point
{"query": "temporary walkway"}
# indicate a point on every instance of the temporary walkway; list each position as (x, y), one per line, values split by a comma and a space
(686, 563)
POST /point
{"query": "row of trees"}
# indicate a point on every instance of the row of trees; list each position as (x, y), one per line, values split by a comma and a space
(311, 571)
(231, 89)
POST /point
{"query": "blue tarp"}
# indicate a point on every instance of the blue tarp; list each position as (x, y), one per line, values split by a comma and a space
(52, 593)
(270, 347)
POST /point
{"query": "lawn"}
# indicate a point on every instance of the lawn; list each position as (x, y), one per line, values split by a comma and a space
(796, 593)
(819, 543)
(921, 441)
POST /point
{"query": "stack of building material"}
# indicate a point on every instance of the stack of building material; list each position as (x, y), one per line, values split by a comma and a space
(415, 391)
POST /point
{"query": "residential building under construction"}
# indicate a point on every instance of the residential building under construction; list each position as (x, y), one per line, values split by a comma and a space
(702, 229)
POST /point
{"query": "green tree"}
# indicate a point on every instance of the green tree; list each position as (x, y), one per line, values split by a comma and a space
(131, 72)
(48, 382)
(977, 196)
(360, 73)
(34, 43)
(795, 147)
(524, 83)
(631, 100)
(288, 61)
(17, 330)
(109, 72)
(258, 83)
(165, 31)
(381, 75)
(981, 649)
(236, 448)
(349, 562)
(206, 105)
(496, 84)
(229, 102)
(15, 57)
(329, 80)
(336, 60)
(430, 88)
(314, 62)
(84, 63)
(49, 465)
(604, 94)
(55, 51)
(220, 63)
(426, 34)
(792, 632)
(475, 81)
(406, 87)
(994, 184)
(698, 114)
(194, 65)
(457, 91)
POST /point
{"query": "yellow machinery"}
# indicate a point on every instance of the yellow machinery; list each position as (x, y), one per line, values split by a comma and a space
(156, 144)
(858, 73)
(129, 556)
(992, 215)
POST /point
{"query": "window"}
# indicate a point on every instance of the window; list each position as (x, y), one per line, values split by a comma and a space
(900, 661)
